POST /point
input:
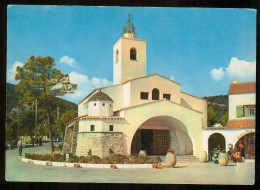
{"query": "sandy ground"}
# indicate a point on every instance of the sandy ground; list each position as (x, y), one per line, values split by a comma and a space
(183, 173)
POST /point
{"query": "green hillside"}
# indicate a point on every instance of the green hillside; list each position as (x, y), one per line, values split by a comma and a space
(219, 104)
(12, 97)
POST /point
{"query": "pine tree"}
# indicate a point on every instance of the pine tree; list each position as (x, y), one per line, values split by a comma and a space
(39, 79)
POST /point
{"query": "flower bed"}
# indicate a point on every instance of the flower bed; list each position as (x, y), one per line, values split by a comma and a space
(93, 159)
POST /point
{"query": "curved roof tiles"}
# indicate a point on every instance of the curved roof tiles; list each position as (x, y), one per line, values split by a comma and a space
(100, 96)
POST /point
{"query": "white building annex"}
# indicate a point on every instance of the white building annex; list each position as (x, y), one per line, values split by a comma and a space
(241, 122)
(138, 112)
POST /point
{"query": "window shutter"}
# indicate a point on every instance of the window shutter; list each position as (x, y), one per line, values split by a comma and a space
(239, 111)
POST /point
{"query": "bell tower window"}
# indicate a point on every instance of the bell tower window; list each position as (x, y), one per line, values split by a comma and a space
(155, 94)
(117, 56)
(133, 54)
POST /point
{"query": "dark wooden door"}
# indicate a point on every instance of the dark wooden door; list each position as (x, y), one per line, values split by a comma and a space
(136, 143)
(161, 141)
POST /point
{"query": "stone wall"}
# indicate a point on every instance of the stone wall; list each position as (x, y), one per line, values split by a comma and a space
(100, 143)
(70, 140)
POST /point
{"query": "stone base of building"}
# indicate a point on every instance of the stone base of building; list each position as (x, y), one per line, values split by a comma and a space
(101, 144)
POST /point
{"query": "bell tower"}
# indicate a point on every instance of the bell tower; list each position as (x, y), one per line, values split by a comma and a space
(129, 55)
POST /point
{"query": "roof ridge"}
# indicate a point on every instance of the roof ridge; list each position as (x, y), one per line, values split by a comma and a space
(244, 82)
(155, 101)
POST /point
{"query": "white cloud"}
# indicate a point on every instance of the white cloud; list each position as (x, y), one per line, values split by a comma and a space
(217, 74)
(85, 85)
(68, 60)
(172, 77)
(11, 72)
(239, 69)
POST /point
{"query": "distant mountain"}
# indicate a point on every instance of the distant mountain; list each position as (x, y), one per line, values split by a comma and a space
(218, 99)
(219, 103)
(12, 97)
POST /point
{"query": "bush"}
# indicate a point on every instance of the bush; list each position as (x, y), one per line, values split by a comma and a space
(93, 159)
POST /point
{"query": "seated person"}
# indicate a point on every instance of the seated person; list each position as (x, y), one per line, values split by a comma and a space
(230, 153)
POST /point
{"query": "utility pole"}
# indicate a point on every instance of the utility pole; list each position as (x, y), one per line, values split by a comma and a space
(35, 130)
(18, 121)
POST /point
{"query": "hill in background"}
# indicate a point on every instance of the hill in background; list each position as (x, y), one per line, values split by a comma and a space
(219, 103)
(12, 97)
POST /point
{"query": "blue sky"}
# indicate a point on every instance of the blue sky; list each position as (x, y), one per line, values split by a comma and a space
(203, 49)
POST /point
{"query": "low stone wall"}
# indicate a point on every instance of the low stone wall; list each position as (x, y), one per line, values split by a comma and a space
(100, 143)
(70, 140)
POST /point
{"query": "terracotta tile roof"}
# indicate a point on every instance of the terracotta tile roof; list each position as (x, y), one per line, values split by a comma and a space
(100, 96)
(85, 117)
(235, 124)
(100, 117)
(241, 124)
(242, 87)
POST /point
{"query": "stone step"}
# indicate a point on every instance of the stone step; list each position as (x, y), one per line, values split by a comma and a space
(181, 158)
(185, 158)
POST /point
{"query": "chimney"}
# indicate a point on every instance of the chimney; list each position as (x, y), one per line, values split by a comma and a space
(235, 81)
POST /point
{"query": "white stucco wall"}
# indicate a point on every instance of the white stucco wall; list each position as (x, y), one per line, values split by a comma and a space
(115, 93)
(126, 94)
(127, 69)
(231, 136)
(117, 65)
(81, 109)
(84, 125)
(147, 84)
(239, 99)
(102, 108)
(192, 121)
(195, 103)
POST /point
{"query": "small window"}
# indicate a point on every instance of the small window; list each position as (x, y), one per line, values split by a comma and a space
(133, 54)
(117, 56)
(144, 95)
(249, 110)
(92, 127)
(95, 104)
(110, 105)
(167, 96)
(155, 94)
(111, 127)
(103, 104)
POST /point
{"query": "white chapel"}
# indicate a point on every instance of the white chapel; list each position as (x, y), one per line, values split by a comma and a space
(139, 111)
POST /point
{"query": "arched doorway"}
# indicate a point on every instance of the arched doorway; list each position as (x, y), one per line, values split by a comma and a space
(158, 134)
(249, 142)
(216, 141)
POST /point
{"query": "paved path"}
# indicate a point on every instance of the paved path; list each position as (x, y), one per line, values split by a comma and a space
(183, 173)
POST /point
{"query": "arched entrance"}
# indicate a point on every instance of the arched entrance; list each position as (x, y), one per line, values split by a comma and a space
(158, 134)
(216, 141)
(249, 142)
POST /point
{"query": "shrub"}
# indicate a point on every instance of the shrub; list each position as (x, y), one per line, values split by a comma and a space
(93, 159)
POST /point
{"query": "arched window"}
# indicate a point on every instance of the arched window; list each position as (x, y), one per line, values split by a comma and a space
(117, 56)
(133, 54)
(155, 94)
